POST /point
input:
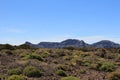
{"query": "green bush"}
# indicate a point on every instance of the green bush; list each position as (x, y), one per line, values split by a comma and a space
(31, 71)
(16, 77)
(36, 56)
(64, 67)
(82, 71)
(114, 76)
(14, 72)
(45, 54)
(106, 66)
(86, 63)
(69, 78)
(32, 56)
(61, 73)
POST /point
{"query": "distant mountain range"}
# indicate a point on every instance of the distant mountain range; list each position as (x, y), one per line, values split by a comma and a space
(75, 43)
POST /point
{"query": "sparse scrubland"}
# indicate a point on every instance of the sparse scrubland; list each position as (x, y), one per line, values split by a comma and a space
(25, 63)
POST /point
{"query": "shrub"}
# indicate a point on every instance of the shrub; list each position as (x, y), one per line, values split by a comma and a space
(114, 76)
(8, 52)
(84, 55)
(55, 61)
(31, 71)
(106, 66)
(101, 53)
(14, 72)
(86, 63)
(16, 77)
(69, 48)
(82, 71)
(32, 56)
(69, 78)
(61, 73)
(84, 49)
(94, 66)
(60, 53)
(36, 56)
(64, 67)
(110, 56)
(45, 54)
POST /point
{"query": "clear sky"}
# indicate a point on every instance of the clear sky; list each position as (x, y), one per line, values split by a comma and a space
(57, 20)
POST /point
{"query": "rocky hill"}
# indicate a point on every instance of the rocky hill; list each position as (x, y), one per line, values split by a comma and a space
(65, 43)
(75, 43)
(106, 44)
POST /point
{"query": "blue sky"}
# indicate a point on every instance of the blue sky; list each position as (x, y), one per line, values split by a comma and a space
(57, 20)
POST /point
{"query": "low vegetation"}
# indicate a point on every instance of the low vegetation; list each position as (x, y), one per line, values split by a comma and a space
(14, 72)
(70, 78)
(114, 76)
(61, 73)
(106, 66)
(31, 71)
(26, 63)
(16, 77)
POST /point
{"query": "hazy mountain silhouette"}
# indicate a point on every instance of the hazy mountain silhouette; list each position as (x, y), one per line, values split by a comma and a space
(75, 43)
(106, 44)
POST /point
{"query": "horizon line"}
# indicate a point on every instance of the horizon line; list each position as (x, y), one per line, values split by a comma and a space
(62, 41)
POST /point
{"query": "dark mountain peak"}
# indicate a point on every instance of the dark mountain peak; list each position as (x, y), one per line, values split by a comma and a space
(30, 44)
(70, 41)
(74, 43)
(106, 41)
(82, 41)
(27, 43)
(106, 44)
